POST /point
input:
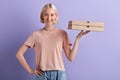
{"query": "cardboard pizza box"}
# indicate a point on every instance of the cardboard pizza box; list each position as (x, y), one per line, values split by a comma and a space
(86, 25)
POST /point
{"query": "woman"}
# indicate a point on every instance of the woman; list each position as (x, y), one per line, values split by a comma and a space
(48, 43)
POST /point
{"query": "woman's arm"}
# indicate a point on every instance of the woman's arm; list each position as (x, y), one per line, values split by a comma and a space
(20, 57)
(22, 60)
(71, 53)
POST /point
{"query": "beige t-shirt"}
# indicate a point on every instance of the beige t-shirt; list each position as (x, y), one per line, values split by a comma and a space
(48, 48)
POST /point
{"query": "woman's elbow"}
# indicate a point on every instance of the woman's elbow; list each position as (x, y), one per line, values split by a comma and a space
(17, 55)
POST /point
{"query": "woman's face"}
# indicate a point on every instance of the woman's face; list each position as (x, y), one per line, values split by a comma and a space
(49, 16)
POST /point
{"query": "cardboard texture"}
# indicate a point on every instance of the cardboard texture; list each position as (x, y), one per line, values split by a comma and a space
(86, 25)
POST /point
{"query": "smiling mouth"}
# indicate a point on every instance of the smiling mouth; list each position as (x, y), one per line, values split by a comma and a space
(49, 21)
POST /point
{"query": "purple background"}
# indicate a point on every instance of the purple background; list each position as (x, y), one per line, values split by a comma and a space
(98, 57)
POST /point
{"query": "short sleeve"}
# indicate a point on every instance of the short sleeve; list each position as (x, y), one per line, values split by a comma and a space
(30, 41)
(66, 40)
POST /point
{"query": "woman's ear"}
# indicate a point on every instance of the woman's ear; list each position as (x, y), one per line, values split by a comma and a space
(56, 19)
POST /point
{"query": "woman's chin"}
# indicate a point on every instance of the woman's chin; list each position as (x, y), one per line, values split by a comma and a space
(49, 24)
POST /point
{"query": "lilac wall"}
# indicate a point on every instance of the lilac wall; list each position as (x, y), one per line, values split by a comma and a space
(98, 57)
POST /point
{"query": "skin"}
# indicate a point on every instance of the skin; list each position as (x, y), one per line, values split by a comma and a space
(49, 17)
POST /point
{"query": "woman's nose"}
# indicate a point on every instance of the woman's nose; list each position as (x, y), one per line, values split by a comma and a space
(49, 17)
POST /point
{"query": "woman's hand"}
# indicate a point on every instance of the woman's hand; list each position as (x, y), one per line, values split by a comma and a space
(37, 72)
(82, 33)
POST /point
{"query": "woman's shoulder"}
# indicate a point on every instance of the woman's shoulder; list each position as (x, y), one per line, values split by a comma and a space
(36, 31)
(61, 30)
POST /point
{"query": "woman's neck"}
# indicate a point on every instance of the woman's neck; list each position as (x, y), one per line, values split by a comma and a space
(49, 28)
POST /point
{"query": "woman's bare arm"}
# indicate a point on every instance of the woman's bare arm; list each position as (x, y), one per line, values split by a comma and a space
(71, 53)
(21, 58)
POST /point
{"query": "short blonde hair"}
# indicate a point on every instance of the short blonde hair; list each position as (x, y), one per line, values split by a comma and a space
(51, 6)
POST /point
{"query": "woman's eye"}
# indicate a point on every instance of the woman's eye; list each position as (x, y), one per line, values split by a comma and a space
(45, 14)
(52, 14)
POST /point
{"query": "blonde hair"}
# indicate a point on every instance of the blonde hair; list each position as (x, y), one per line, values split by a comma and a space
(47, 6)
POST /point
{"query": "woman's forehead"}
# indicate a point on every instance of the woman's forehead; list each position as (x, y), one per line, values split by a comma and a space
(49, 10)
